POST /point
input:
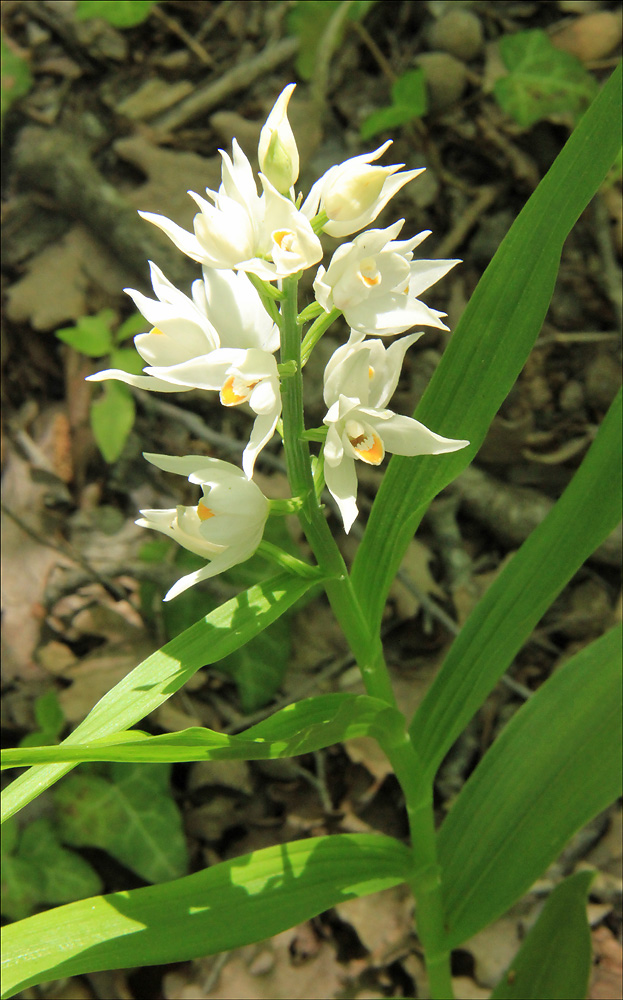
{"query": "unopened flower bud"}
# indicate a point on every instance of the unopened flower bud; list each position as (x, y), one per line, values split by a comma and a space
(353, 192)
(277, 152)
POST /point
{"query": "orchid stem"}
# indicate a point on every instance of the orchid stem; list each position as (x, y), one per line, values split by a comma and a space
(424, 879)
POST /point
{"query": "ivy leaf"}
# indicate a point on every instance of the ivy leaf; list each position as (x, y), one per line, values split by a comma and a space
(542, 80)
(129, 813)
(112, 419)
(37, 870)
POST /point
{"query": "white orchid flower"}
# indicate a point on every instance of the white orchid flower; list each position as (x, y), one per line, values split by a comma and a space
(263, 234)
(375, 282)
(353, 193)
(227, 524)
(231, 353)
(359, 381)
(240, 377)
(278, 154)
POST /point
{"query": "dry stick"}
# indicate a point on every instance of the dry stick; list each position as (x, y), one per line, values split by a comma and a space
(214, 93)
(467, 220)
(513, 512)
(176, 29)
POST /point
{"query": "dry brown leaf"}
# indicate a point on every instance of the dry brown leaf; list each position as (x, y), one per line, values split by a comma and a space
(98, 673)
(60, 283)
(383, 922)
(416, 565)
(275, 969)
(607, 978)
(493, 950)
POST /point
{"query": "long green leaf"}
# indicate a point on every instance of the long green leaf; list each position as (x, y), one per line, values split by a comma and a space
(504, 618)
(555, 766)
(222, 907)
(554, 962)
(166, 671)
(300, 728)
(490, 344)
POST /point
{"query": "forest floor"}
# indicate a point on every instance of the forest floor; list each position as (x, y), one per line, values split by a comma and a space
(117, 120)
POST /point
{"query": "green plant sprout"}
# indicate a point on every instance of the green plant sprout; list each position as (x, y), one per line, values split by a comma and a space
(555, 766)
(112, 414)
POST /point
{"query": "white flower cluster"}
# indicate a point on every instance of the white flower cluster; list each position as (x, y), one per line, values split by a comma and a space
(223, 339)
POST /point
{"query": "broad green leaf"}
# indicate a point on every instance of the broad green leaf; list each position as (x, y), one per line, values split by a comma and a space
(409, 91)
(91, 335)
(50, 721)
(119, 13)
(132, 815)
(409, 101)
(166, 671)
(112, 419)
(309, 20)
(130, 327)
(16, 78)
(297, 729)
(554, 767)
(490, 344)
(504, 618)
(127, 359)
(37, 870)
(225, 906)
(542, 81)
(259, 667)
(554, 962)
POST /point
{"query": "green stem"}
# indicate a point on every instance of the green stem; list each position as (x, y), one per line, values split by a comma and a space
(424, 880)
(366, 647)
(315, 332)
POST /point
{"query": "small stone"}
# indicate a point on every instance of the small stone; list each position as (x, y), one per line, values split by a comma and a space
(571, 398)
(458, 32)
(446, 78)
(591, 36)
(603, 380)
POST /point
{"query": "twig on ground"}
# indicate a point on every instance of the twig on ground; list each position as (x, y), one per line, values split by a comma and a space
(216, 92)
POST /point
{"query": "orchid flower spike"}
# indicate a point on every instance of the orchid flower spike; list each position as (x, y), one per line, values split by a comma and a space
(277, 151)
(375, 282)
(360, 379)
(263, 234)
(231, 353)
(226, 525)
(353, 193)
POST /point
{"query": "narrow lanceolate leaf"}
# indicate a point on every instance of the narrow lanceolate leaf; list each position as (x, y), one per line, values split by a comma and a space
(166, 671)
(554, 962)
(555, 766)
(228, 905)
(490, 344)
(510, 609)
(300, 728)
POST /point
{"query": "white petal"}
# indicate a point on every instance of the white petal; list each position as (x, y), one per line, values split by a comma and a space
(139, 381)
(341, 482)
(184, 241)
(262, 432)
(406, 436)
(425, 273)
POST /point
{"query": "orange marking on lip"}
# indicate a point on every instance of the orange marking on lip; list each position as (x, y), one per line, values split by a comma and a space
(370, 371)
(284, 239)
(371, 280)
(373, 455)
(158, 332)
(228, 396)
(204, 513)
